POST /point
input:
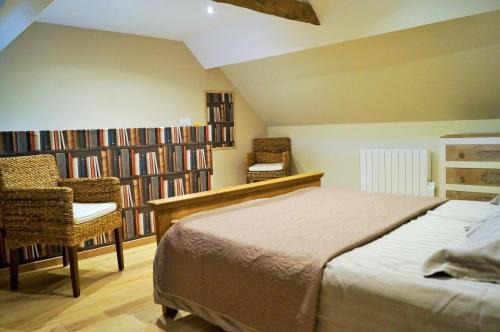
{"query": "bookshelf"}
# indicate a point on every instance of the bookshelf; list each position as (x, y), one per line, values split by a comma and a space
(220, 118)
(151, 163)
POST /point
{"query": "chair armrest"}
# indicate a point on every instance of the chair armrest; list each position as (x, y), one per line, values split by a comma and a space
(94, 190)
(250, 159)
(286, 162)
(37, 205)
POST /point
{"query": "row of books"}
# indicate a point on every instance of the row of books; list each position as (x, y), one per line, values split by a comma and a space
(223, 113)
(198, 182)
(145, 163)
(99, 240)
(134, 224)
(127, 163)
(46, 140)
(219, 97)
(138, 224)
(78, 167)
(30, 252)
(35, 251)
(138, 192)
(149, 136)
(179, 158)
(161, 160)
(221, 133)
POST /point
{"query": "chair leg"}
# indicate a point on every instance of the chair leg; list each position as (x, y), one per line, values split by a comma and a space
(14, 269)
(75, 275)
(119, 247)
(64, 256)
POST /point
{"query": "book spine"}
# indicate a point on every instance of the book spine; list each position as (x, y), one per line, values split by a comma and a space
(133, 136)
(137, 195)
(141, 192)
(105, 164)
(104, 137)
(209, 155)
(71, 139)
(61, 165)
(75, 164)
(153, 222)
(162, 135)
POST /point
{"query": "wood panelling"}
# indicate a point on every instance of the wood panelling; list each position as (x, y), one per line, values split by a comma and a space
(473, 176)
(469, 196)
(473, 152)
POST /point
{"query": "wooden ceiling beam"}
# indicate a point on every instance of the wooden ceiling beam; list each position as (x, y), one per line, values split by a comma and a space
(295, 10)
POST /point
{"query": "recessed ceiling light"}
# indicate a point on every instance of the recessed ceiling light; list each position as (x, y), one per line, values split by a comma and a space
(210, 9)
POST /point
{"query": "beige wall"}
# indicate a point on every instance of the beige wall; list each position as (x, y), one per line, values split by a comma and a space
(334, 149)
(443, 71)
(55, 77)
(60, 77)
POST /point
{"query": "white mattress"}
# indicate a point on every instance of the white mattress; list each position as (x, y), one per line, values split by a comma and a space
(380, 287)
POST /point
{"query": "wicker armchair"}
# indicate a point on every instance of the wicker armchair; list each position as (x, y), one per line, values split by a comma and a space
(270, 159)
(37, 207)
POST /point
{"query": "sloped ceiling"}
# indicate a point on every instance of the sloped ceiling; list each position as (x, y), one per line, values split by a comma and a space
(443, 71)
(16, 16)
(257, 36)
(232, 34)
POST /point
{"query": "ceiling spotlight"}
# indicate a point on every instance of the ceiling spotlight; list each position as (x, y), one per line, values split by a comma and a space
(210, 9)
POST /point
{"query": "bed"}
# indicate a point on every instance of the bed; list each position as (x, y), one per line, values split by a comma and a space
(223, 266)
(379, 286)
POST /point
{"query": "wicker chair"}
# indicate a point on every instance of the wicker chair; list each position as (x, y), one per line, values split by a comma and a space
(267, 151)
(38, 207)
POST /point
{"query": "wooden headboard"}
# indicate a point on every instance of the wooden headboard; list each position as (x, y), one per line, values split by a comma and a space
(171, 209)
(470, 166)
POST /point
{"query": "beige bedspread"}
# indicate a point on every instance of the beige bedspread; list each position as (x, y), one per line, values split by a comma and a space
(261, 262)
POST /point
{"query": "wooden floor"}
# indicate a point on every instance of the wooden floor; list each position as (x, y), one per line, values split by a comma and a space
(110, 300)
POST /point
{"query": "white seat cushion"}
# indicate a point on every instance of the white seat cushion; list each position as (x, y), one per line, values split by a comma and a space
(83, 212)
(266, 167)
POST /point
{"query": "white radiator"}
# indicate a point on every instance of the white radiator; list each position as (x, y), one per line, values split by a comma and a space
(403, 172)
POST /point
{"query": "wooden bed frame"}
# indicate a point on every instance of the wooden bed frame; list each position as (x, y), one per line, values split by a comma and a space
(169, 210)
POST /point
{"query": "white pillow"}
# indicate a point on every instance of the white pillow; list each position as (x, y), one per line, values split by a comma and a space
(466, 211)
(476, 258)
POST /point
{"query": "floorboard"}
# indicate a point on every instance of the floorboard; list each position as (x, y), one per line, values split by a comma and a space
(110, 300)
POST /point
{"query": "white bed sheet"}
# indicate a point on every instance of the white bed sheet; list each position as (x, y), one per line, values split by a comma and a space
(380, 287)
